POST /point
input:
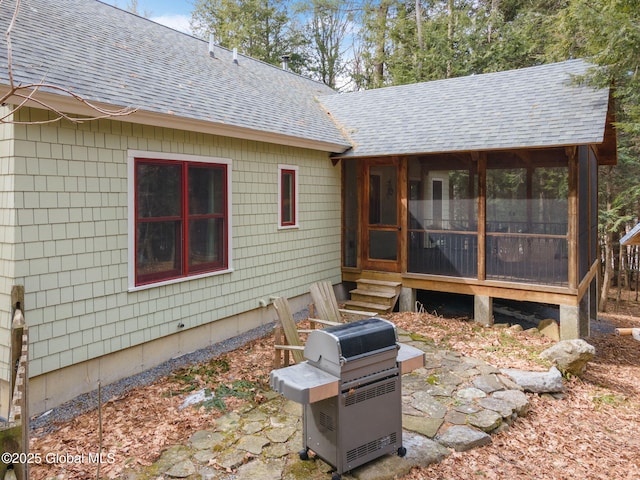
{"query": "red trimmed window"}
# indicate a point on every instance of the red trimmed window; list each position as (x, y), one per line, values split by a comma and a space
(288, 203)
(181, 219)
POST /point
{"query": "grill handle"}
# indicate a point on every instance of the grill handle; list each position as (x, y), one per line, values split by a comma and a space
(374, 377)
(344, 360)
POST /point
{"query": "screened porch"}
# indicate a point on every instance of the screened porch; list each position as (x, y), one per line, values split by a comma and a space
(525, 214)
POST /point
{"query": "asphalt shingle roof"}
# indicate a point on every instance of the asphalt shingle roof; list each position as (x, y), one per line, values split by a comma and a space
(531, 107)
(108, 55)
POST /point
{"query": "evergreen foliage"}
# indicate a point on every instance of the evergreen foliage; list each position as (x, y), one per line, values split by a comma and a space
(405, 41)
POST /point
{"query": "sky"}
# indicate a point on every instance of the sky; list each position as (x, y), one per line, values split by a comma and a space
(172, 13)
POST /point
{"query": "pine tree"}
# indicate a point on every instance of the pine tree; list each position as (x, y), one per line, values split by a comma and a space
(261, 29)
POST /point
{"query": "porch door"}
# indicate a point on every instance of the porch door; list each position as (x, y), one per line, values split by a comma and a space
(381, 237)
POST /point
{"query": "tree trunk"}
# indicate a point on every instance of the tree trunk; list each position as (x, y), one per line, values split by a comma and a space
(635, 266)
(621, 270)
(381, 37)
(450, 32)
(608, 272)
(495, 4)
(608, 255)
(420, 40)
(419, 25)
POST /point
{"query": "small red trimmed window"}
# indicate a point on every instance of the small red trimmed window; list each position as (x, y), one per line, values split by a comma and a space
(288, 183)
(180, 219)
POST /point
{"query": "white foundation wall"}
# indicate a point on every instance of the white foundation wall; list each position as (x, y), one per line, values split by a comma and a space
(71, 248)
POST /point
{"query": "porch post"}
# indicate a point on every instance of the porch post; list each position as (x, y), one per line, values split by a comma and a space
(569, 322)
(482, 214)
(572, 226)
(483, 309)
(575, 321)
(407, 299)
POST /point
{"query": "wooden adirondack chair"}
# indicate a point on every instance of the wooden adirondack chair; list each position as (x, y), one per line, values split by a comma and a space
(326, 304)
(287, 335)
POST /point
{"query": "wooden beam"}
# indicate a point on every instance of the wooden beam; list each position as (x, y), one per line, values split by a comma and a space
(403, 211)
(572, 226)
(482, 217)
(607, 151)
(523, 292)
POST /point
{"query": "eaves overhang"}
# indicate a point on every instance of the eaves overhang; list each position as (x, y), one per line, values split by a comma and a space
(633, 237)
(71, 106)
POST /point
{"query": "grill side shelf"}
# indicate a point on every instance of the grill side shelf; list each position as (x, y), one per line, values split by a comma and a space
(304, 383)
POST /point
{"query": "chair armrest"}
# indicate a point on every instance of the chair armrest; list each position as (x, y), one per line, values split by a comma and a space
(289, 347)
(358, 312)
(324, 322)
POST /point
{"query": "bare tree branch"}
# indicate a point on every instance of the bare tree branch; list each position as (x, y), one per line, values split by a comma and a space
(27, 93)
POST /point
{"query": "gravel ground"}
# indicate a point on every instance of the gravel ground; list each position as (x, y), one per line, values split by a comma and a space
(49, 420)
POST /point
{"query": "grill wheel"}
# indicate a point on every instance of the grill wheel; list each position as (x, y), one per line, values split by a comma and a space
(304, 454)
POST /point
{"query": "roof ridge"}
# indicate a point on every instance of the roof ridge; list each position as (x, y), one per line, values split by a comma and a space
(146, 18)
(206, 41)
(470, 76)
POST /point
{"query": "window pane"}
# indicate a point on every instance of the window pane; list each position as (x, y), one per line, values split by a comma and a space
(287, 197)
(158, 190)
(206, 243)
(382, 195)
(181, 219)
(383, 245)
(350, 219)
(158, 250)
(206, 190)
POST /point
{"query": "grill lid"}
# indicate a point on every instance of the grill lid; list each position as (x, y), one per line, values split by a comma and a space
(363, 336)
(370, 344)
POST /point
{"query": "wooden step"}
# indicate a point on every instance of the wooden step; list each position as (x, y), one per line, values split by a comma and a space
(374, 293)
(367, 306)
(378, 285)
(375, 297)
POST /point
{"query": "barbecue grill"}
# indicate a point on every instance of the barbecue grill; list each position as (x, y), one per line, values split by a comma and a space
(350, 389)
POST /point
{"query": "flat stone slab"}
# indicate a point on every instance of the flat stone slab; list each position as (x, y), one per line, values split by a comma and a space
(205, 439)
(488, 383)
(502, 407)
(425, 426)
(428, 404)
(420, 452)
(486, 420)
(228, 422)
(232, 458)
(259, 469)
(537, 382)
(470, 393)
(173, 455)
(252, 444)
(182, 469)
(280, 435)
(516, 398)
(462, 438)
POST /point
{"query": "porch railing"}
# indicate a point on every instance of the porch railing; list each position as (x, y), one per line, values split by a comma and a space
(443, 253)
(528, 258)
(541, 259)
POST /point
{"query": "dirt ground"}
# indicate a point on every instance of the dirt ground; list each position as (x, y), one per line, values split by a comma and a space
(592, 432)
